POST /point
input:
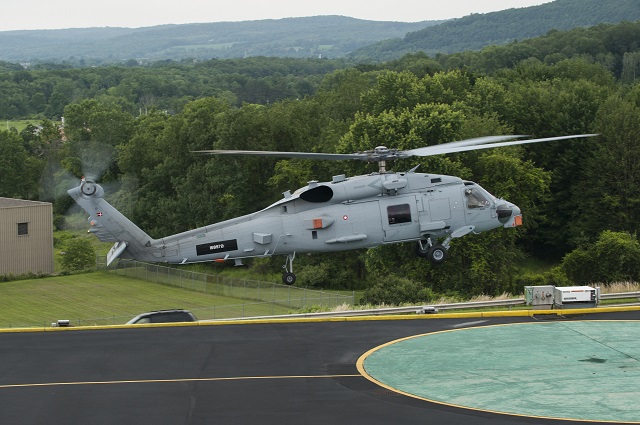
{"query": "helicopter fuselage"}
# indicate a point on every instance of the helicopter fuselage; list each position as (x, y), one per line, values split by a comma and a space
(347, 213)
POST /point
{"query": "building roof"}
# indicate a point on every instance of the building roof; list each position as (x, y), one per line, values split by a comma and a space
(14, 203)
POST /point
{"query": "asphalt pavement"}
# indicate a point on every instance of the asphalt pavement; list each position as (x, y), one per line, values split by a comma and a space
(269, 373)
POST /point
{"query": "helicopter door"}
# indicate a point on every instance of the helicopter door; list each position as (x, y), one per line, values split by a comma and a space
(400, 218)
(477, 205)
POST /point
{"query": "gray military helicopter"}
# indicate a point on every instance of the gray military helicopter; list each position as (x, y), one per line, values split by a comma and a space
(346, 213)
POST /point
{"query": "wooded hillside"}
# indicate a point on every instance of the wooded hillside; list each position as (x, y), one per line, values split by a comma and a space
(311, 37)
(476, 31)
(326, 36)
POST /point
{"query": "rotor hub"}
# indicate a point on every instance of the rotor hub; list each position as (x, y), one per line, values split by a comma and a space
(88, 188)
(381, 150)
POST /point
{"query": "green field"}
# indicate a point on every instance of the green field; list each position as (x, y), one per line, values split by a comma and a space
(100, 298)
(19, 125)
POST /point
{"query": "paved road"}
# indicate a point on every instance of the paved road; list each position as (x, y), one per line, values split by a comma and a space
(293, 373)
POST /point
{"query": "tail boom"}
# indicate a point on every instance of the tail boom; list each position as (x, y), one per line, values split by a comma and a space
(109, 225)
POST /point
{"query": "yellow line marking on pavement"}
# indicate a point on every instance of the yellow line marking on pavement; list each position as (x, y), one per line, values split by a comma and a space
(163, 381)
(477, 314)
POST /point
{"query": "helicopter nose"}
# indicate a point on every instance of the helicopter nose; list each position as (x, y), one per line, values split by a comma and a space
(509, 215)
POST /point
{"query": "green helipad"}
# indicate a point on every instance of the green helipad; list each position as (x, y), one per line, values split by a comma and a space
(583, 370)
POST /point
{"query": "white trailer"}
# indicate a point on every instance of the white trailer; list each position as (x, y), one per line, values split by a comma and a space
(576, 296)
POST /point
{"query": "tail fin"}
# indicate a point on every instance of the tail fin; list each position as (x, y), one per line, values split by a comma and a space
(109, 225)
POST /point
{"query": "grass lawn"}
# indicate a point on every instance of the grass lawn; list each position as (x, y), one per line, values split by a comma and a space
(99, 298)
(19, 125)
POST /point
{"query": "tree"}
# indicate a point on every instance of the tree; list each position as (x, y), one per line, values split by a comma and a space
(174, 189)
(630, 67)
(484, 264)
(340, 93)
(93, 120)
(20, 172)
(507, 176)
(419, 64)
(59, 99)
(407, 128)
(79, 254)
(551, 108)
(607, 198)
(394, 91)
(93, 130)
(614, 257)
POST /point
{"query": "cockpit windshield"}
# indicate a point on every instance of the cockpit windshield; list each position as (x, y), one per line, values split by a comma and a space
(476, 198)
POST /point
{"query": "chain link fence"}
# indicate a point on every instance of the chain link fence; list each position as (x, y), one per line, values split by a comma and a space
(262, 298)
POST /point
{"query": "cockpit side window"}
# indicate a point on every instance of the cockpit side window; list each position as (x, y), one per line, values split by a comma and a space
(475, 198)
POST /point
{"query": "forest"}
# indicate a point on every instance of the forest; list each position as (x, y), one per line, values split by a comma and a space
(136, 126)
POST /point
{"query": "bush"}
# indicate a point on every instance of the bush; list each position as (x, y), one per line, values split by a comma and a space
(328, 271)
(11, 277)
(60, 238)
(315, 276)
(555, 277)
(529, 279)
(394, 290)
(614, 257)
(79, 255)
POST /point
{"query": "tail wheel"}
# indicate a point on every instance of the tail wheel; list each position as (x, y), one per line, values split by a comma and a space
(289, 278)
(437, 254)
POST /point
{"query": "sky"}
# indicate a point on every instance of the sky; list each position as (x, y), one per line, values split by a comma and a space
(53, 14)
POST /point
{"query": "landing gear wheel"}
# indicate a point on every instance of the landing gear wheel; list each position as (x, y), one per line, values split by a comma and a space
(437, 254)
(287, 275)
(289, 278)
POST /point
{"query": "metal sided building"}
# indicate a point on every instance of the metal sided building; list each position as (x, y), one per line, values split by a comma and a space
(26, 237)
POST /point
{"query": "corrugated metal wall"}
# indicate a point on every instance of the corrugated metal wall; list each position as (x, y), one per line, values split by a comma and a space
(30, 253)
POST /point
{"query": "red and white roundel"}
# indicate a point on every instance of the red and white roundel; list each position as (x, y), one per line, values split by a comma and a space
(345, 217)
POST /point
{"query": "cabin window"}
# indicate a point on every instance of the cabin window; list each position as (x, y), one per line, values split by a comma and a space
(399, 214)
(23, 229)
(314, 234)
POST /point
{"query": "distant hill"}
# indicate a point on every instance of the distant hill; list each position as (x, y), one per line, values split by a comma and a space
(476, 31)
(328, 36)
(311, 37)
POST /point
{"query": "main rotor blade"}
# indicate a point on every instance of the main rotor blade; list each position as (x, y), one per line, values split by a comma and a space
(392, 154)
(452, 149)
(363, 156)
(305, 155)
(446, 147)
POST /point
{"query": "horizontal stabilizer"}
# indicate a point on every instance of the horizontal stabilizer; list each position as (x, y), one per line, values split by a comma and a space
(115, 251)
